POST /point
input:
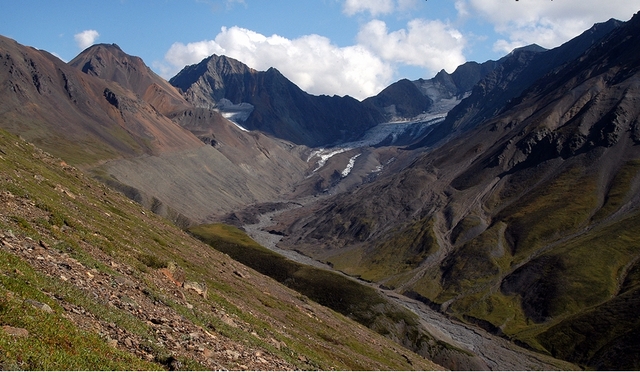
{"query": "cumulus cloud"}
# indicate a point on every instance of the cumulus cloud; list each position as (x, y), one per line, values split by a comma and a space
(376, 7)
(312, 62)
(318, 66)
(86, 38)
(430, 44)
(546, 23)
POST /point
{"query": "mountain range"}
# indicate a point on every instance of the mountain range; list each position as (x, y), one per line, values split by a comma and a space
(524, 222)
(502, 195)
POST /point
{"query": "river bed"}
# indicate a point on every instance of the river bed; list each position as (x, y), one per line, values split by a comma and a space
(496, 352)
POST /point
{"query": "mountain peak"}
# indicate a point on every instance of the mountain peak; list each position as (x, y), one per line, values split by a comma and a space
(535, 48)
(110, 62)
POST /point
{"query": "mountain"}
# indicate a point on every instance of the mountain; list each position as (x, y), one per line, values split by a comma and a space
(90, 280)
(406, 100)
(186, 184)
(512, 75)
(272, 104)
(81, 118)
(525, 222)
(401, 99)
(109, 114)
(109, 62)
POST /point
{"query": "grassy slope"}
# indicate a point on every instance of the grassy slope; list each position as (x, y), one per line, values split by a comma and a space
(75, 216)
(361, 303)
(551, 261)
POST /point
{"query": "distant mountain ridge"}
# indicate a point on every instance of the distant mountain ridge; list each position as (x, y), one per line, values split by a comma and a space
(511, 76)
(280, 108)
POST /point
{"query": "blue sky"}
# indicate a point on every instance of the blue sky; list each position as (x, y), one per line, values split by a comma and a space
(354, 47)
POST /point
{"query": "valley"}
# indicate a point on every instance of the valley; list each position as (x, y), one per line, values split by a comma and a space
(485, 219)
(495, 352)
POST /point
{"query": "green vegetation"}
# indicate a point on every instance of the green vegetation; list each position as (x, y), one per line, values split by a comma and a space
(359, 302)
(550, 211)
(402, 251)
(70, 220)
(53, 342)
(327, 288)
(619, 189)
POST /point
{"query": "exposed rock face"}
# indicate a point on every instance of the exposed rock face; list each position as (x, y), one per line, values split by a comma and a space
(401, 100)
(511, 76)
(281, 108)
(109, 62)
(406, 100)
(77, 116)
(522, 224)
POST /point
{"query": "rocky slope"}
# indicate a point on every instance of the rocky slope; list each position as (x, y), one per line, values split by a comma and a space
(79, 117)
(511, 76)
(111, 115)
(276, 105)
(525, 225)
(90, 280)
(401, 100)
(109, 62)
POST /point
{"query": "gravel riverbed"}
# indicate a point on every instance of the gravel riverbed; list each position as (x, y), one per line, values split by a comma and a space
(496, 352)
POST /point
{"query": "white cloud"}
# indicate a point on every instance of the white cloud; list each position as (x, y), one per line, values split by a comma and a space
(375, 7)
(545, 22)
(312, 62)
(86, 38)
(318, 66)
(432, 45)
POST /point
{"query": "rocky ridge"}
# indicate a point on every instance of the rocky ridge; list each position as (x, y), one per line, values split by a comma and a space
(280, 108)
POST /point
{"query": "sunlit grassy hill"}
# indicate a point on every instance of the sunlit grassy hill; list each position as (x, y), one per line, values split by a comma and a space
(91, 280)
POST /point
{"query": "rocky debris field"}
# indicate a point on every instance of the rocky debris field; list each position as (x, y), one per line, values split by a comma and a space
(124, 291)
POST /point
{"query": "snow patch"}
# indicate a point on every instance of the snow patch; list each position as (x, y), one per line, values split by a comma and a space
(235, 113)
(230, 118)
(376, 135)
(324, 155)
(349, 167)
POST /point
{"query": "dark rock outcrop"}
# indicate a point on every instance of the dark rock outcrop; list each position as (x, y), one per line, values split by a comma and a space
(401, 99)
(281, 108)
(513, 74)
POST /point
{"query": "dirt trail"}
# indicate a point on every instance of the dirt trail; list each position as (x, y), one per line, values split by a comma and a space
(496, 352)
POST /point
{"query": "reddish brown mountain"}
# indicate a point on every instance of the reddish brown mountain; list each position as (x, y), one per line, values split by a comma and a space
(79, 117)
(109, 62)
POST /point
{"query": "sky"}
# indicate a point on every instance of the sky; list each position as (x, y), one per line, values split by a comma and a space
(333, 47)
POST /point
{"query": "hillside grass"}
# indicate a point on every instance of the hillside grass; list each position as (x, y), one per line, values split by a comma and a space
(398, 253)
(550, 211)
(619, 189)
(583, 278)
(325, 287)
(54, 342)
(344, 295)
(77, 217)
